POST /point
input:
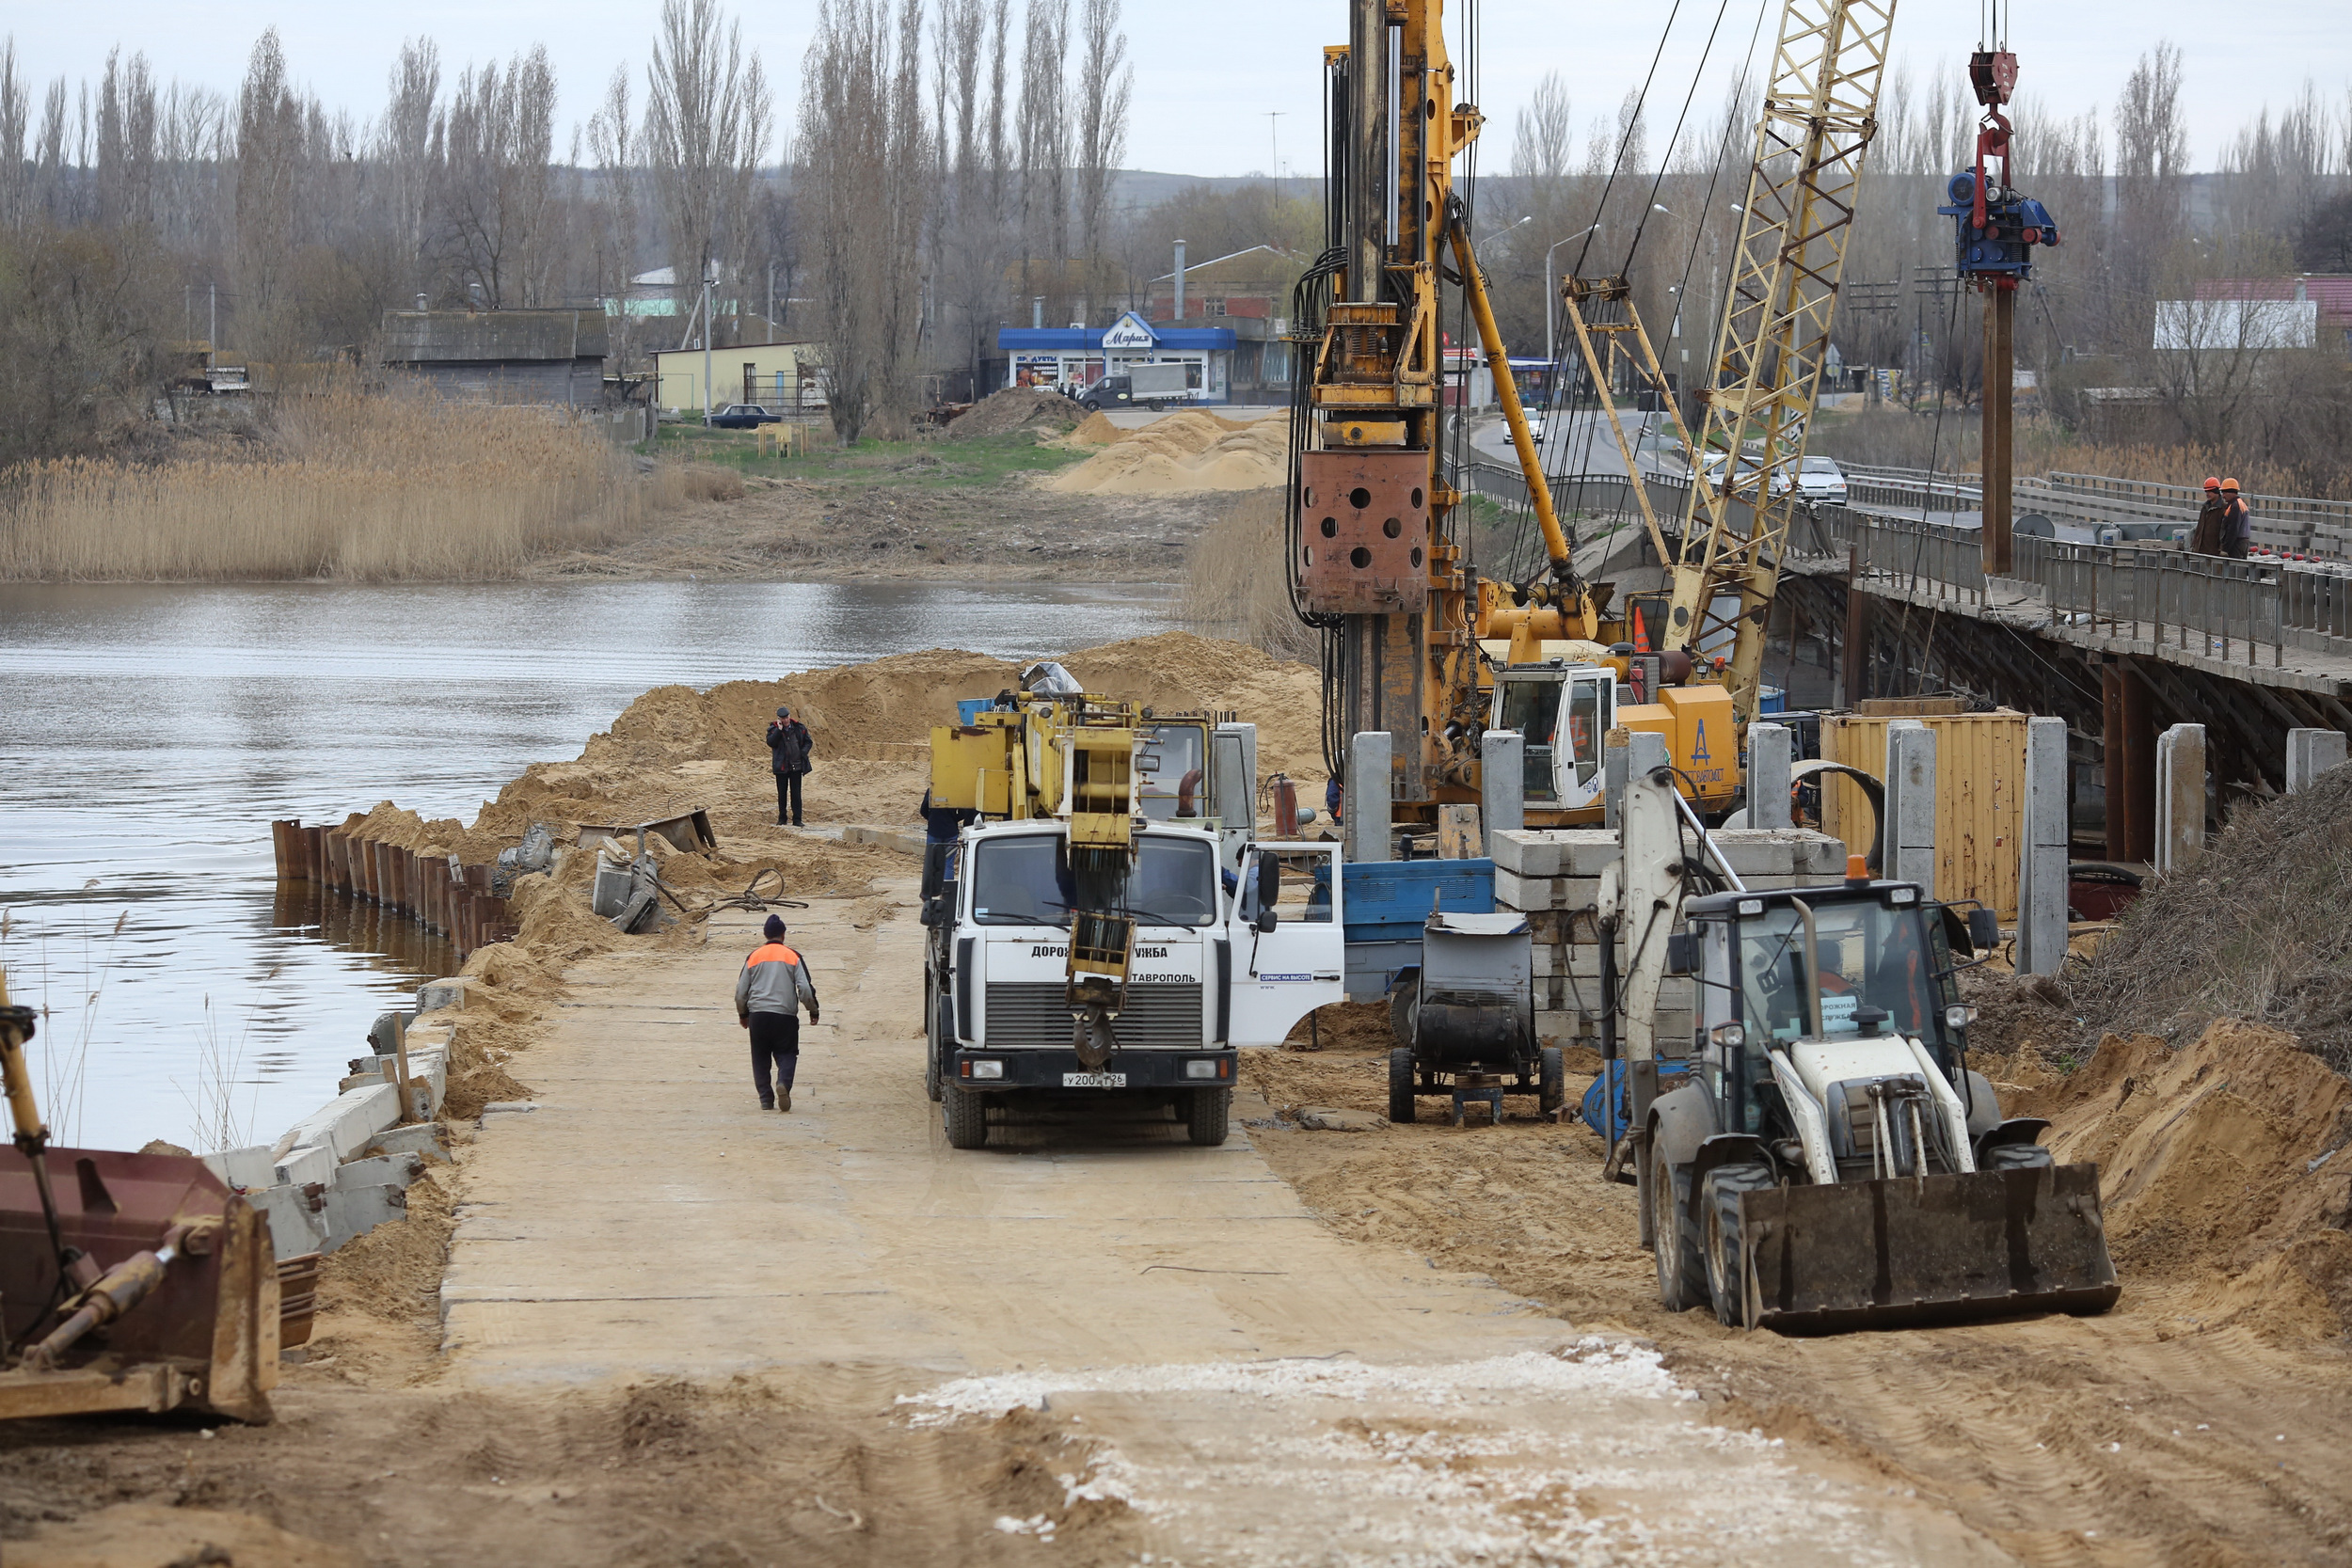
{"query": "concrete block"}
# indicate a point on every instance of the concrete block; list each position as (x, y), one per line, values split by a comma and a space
(1515, 891)
(1366, 823)
(244, 1167)
(1563, 1028)
(2180, 798)
(350, 1213)
(1772, 749)
(380, 1170)
(347, 1124)
(2309, 753)
(2043, 844)
(297, 1220)
(423, 1139)
(1911, 803)
(306, 1165)
(1503, 782)
(449, 992)
(1555, 851)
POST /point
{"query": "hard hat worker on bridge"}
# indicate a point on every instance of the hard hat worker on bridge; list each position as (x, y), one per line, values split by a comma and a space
(768, 998)
(2237, 522)
(2206, 538)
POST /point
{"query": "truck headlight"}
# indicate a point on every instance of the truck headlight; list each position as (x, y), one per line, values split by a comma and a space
(1959, 1016)
(987, 1069)
(1729, 1037)
(1201, 1070)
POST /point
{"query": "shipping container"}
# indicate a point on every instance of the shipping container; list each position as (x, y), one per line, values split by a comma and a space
(1980, 784)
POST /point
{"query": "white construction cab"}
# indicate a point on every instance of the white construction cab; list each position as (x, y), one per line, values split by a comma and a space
(1209, 969)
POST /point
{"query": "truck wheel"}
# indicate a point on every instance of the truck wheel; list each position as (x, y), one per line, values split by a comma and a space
(967, 1114)
(1401, 1075)
(1207, 1117)
(1551, 1090)
(2018, 1157)
(1727, 1240)
(1158, 405)
(1674, 1240)
(1401, 1004)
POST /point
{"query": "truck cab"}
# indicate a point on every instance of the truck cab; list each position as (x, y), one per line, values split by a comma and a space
(1564, 708)
(1209, 971)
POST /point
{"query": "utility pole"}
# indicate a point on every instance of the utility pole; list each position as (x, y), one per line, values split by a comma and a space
(212, 327)
(2000, 340)
(708, 397)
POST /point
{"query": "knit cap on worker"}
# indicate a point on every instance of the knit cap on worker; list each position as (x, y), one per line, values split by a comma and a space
(773, 930)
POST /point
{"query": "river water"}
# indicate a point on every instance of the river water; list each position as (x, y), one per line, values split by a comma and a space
(148, 735)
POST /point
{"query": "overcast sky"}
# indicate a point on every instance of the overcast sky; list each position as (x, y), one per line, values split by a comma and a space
(1208, 72)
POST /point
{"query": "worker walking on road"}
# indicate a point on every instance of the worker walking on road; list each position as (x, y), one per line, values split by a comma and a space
(788, 746)
(2206, 538)
(768, 998)
(2237, 523)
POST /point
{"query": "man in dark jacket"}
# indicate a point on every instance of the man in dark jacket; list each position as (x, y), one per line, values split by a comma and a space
(788, 746)
(769, 995)
(2206, 538)
(2237, 523)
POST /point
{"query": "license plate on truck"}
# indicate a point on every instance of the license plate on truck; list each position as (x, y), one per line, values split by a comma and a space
(1093, 1079)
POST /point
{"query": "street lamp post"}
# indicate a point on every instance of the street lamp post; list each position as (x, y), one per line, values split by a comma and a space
(1552, 297)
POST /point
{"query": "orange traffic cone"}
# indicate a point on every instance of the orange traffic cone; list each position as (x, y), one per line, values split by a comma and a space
(1641, 633)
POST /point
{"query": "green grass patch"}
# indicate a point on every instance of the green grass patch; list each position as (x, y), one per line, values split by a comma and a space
(929, 463)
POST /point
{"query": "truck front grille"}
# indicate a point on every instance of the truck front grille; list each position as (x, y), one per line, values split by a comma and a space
(1031, 1013)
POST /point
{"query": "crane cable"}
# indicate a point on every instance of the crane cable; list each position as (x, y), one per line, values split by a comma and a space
(1624, 137)
(1657, 180)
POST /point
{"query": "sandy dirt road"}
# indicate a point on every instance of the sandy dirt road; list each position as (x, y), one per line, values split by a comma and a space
(1232, 1381)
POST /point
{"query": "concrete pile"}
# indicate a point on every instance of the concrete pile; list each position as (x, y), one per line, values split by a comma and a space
(1552, 876)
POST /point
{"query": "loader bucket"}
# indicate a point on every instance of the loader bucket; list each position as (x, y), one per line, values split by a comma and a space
(1934, 1249)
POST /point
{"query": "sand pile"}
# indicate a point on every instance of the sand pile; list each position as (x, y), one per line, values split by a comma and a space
(1095, 430)
(2259, 928)
(1030, 408)
(2223, 1165)
(1188, 452)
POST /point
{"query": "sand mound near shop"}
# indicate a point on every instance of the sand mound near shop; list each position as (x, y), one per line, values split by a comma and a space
(1095, 430)
(1188, 452)
(1027, 409)
(2222, 1164)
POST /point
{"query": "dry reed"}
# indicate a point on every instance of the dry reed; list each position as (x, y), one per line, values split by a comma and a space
(346, 486)
(1234, 585)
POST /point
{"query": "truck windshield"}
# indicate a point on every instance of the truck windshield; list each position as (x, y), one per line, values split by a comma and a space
(1870, 953)
(1024, 880)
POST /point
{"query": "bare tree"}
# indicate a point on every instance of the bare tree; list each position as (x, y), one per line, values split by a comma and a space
(861, 195)
(15, 119)
(1043, 136)
(269, 153)
(496, 181)
(612, 141)
(1106, 82)
(2151, 169)
(708, 117)
(126, 141)
(408, 145)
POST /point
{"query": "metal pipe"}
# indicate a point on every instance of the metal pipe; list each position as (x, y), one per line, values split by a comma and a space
(1706, 841)
(1812, 966)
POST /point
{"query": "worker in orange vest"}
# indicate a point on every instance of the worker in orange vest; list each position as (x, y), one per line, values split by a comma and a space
(768, 998)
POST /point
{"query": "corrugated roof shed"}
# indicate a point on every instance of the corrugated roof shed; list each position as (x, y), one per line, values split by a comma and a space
(492, 336)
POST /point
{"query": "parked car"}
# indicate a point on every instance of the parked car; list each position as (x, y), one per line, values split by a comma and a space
(1822, 479)
(744, 416)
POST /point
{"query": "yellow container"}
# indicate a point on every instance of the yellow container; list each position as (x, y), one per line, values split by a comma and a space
(1979, 796)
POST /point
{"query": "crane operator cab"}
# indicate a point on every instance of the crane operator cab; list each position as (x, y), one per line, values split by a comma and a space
(1833, 1163)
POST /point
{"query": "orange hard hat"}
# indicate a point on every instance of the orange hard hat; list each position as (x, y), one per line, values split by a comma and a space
(2229, 484)
(2212, 483)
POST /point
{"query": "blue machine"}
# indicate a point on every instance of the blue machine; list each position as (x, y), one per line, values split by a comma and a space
(1389, 901)
(2002, 246)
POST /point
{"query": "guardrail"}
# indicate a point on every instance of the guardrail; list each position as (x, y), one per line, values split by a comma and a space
(2230, 609)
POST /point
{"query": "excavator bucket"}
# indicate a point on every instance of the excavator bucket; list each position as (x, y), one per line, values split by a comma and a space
(1928, 1249)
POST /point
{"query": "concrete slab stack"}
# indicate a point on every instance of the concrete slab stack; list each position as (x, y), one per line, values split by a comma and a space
(1552, 876)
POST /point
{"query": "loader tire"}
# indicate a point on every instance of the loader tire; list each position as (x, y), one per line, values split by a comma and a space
(1674, 1240)
(1400, 1076)
(932, 1082)
(1551, 1088)
(967, 1114)
(1401, 1004)
(2018, 1157)
(1727, 1237)
(1208, 1116)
